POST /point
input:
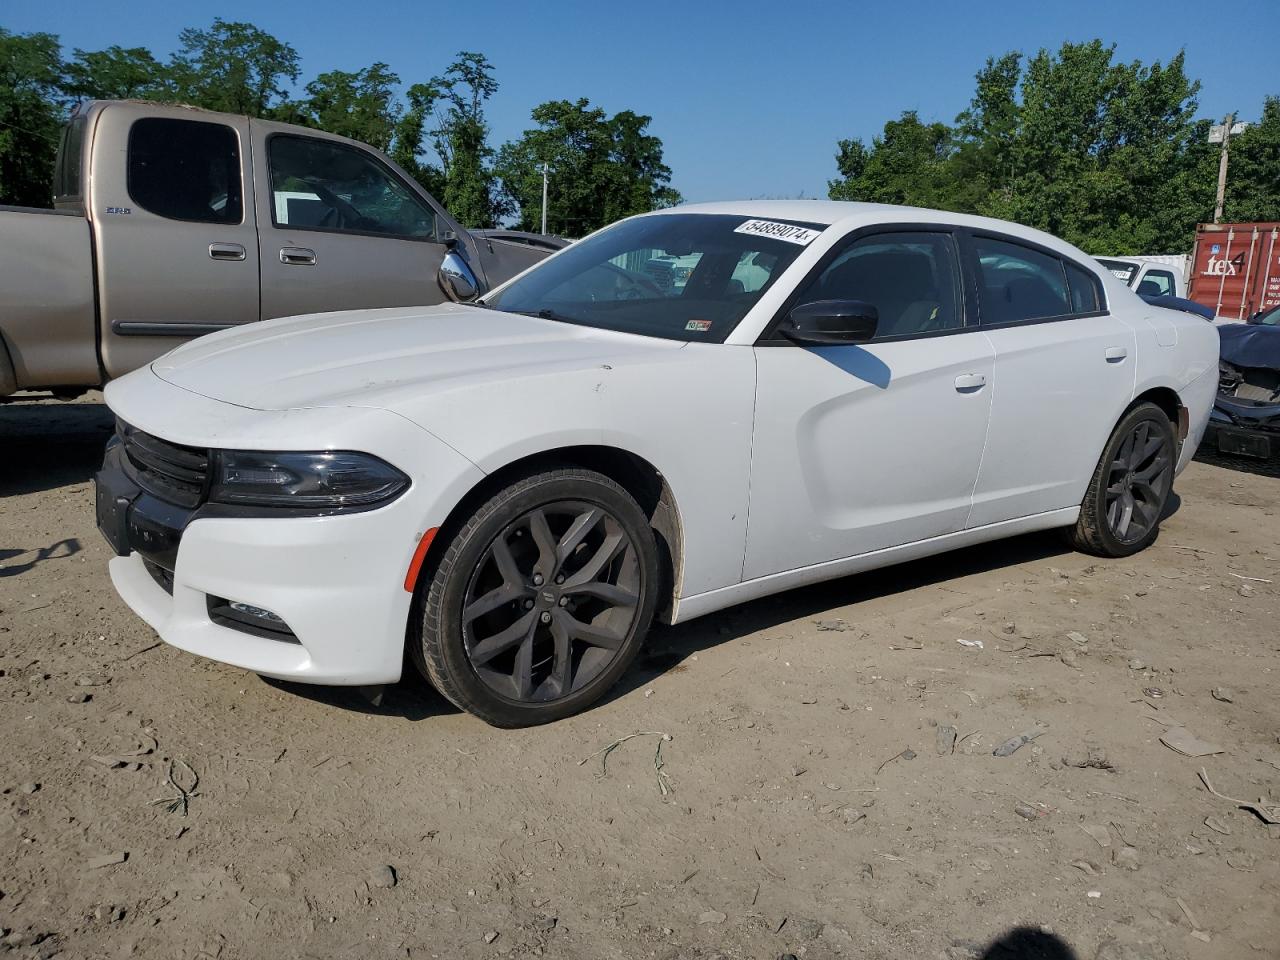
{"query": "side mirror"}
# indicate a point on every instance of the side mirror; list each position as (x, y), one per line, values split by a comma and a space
(831, 322)
(456, 279)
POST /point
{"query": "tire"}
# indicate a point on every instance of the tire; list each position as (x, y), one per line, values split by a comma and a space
(1130, 487)
(527, 620)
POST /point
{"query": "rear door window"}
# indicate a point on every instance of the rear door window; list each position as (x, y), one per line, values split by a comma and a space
(1018, 283)
(185, 170)
(1086, 297)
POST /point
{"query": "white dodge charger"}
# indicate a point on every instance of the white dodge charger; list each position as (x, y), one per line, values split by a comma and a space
(513, 490)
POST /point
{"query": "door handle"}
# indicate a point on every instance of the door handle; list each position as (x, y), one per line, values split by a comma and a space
(1116, 354)
(298, 256)
(226, 251)
(970, 382)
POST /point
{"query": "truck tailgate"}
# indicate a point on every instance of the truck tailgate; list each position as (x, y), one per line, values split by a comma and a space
(47, 298)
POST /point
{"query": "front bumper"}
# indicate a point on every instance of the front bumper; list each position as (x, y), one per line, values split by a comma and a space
(336, 581)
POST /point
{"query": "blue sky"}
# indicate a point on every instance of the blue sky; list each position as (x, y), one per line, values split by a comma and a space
(749, 97)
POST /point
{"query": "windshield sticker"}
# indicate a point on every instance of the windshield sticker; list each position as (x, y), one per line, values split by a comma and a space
(698, 326)
(802, 236)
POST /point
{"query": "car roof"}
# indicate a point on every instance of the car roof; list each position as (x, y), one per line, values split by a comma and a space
(852, 213)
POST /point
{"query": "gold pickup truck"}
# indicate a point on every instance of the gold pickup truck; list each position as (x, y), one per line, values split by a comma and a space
(171, 222)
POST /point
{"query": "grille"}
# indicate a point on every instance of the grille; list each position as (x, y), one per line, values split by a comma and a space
(167, 470)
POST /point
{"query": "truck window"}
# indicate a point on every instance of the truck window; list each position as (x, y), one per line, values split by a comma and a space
(1157, 283)
(66, 172)
(322, 185)
(185, 170)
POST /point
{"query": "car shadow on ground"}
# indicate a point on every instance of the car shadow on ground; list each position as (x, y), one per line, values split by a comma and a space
(411, 699)
(48, 445)
(668, 647)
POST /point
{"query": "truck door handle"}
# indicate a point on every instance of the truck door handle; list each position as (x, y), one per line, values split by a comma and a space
(1116, 354)
(226, 251)
(970, 382)
(298, 256)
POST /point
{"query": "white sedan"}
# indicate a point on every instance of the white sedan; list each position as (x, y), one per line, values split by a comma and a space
(514, 490)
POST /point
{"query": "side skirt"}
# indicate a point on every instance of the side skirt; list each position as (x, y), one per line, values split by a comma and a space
(687, 608)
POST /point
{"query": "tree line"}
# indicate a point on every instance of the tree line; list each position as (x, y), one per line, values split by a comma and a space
(600, 167)
(1107, 155)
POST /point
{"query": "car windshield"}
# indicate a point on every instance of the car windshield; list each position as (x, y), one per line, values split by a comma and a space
(681, 276)
(1270, 318)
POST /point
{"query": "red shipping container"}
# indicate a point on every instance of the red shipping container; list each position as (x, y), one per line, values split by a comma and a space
(1235, 268)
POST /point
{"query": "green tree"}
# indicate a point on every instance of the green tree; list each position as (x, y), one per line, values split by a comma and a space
(30, 115)
(1253, 170)
(601, 168)
(907, 164)
(360, 105)
(461, 140)
(116, 74)
(1106, 155)
(408, 148)
(233, 67)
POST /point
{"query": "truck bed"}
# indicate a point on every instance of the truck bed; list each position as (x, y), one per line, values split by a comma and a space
(47, 313)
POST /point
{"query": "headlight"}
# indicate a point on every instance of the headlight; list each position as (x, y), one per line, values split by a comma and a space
(324, 478)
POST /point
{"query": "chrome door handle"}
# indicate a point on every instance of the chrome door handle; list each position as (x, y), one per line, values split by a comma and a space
(298, 256)
(970, 382)
(1116, 354)
(226, 251)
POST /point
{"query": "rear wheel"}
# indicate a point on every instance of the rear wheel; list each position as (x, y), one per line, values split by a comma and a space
(541, 600)
(1130, 487)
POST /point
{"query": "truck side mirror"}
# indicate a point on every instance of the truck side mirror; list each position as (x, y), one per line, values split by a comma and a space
(457, 280)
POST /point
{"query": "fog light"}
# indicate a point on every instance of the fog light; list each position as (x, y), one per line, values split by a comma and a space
(256, 612)
(248, 618)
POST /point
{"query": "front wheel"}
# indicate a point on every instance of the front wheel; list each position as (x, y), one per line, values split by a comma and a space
(541, 599)
(1130, 487)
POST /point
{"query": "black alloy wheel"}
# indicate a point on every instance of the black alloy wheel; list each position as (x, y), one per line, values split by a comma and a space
(551, 602)
(540, 600)
(1130, 487)
(1138, 483)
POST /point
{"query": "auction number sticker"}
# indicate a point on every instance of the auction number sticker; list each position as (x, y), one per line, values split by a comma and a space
(779, 231)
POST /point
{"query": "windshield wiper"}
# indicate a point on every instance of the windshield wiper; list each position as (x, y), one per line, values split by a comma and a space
(546, 314)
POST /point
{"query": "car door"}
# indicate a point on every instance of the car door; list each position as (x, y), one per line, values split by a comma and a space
(339, 229)
(175, 245)
(1065, 368)
(861, 447)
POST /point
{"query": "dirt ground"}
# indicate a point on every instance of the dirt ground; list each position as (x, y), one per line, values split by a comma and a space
(815, 806)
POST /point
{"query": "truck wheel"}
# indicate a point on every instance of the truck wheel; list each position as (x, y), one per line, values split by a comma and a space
(541, 600)
(1130, 487)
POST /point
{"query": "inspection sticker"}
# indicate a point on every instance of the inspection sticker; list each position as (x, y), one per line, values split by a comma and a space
(779, 231)
(698, 326)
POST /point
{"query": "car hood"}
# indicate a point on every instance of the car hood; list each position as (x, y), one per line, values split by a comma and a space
(1250, 345)
(373, 358)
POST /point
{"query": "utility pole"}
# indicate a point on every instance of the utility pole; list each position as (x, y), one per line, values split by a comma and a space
(1227, 124)
(544, 199)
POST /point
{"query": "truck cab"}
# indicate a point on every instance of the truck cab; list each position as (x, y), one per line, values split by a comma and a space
(171, 222)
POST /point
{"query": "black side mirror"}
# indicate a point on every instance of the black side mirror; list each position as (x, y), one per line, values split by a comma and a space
(831, 322)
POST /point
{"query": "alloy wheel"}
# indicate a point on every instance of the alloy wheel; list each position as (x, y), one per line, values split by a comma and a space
(551, 602)
(1138, 482)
